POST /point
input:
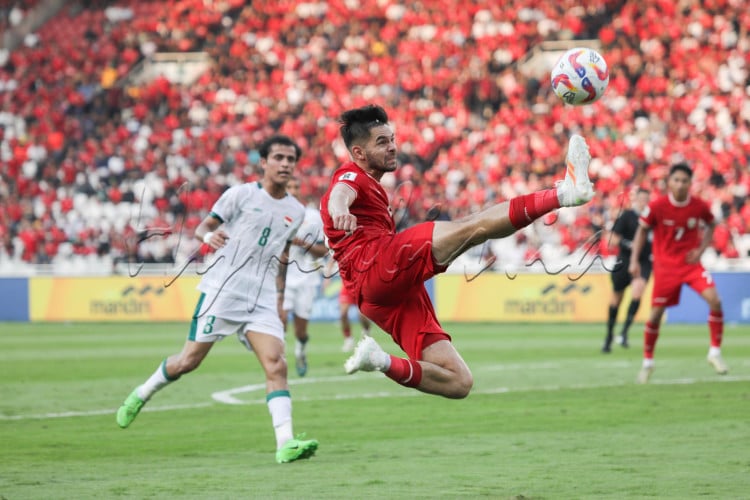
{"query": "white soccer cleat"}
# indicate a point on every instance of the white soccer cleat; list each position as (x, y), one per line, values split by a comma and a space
(645, 374)
(718, 363)
(576, 189)
(368, 357)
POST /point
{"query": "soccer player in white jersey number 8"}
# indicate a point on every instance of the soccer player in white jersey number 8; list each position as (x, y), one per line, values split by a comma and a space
(251, 228)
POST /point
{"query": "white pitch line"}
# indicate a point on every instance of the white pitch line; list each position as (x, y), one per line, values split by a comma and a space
(91, 413)
(226, 396)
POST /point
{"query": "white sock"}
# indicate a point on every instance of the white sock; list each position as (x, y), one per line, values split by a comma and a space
(280, 408)
(714, 351)
(155, 382)
(648, 362)
(381, 359)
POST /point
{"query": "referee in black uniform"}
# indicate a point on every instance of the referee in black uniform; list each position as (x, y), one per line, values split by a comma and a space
(623, 233)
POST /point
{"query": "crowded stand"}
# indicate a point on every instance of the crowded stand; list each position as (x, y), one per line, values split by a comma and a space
(97, 168)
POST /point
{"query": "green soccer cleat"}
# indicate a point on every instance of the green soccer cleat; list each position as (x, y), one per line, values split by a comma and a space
(129, 409)
(296, 449)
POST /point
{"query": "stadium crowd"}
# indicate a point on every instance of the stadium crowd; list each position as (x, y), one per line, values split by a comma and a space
(95, 168)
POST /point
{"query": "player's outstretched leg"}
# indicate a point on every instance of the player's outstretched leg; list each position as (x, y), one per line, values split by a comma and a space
(576, 189)
(296, 449)
(129, 409)
(368, 357)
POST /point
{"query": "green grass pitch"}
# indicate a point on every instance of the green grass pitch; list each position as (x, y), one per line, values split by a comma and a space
(549, 417)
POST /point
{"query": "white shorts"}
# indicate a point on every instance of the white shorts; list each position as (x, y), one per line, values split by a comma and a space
(218, 316)
(300, 300)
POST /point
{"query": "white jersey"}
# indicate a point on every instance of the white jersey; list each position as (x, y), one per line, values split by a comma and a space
(304, 269)
(259, 228)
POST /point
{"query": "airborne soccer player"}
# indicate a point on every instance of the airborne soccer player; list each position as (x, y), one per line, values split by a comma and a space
(386, 270)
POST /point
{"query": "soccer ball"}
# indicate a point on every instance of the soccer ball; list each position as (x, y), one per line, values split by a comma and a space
(580, 76)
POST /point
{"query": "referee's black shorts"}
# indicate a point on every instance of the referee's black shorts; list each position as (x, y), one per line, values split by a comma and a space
(621, 277)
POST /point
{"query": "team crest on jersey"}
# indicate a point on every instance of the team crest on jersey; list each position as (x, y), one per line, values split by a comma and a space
(348, 176)
(287, 220)
(691, 222)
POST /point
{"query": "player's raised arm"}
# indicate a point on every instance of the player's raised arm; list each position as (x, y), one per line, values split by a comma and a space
(342, 197)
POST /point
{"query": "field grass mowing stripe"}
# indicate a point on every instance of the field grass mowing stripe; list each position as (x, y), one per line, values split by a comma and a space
(227, 396)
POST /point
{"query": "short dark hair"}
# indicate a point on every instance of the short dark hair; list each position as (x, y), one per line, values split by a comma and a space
(681, 167)
(265, 147)
(642, 190)
(357, 123)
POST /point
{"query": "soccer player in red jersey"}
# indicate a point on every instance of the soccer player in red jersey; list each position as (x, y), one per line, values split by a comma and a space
(386, 270)
(675, 219)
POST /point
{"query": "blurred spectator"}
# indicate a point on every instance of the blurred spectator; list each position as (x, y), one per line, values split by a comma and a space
(94, 155)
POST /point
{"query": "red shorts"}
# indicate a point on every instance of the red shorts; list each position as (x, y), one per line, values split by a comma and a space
(668, 284)
(392, 291)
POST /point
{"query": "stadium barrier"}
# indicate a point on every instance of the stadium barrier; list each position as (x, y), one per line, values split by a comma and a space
(115, 299)
(526, 298)
(542, 298)
(491, 297)
(14, 299)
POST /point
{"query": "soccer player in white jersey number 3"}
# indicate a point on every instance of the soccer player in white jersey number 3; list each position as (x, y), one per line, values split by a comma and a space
(251, 227)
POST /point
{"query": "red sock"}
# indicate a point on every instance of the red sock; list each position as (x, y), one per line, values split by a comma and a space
(650, 334)
(716, 327)
(406, 372)
(347, 332)
(527, 208)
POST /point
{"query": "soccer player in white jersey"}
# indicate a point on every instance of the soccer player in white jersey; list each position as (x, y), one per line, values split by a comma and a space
(303, 277)
(251, 227)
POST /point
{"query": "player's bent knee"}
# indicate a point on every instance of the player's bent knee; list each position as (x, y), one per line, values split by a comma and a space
(275, 367)
(461, 385)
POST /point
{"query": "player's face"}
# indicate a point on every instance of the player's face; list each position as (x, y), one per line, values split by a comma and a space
(679, 185)
(380, 151)
(279, 165)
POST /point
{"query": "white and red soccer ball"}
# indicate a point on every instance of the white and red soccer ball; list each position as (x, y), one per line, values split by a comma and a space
(580, 76)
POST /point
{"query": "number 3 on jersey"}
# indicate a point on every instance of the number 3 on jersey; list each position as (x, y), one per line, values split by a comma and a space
(264, 236)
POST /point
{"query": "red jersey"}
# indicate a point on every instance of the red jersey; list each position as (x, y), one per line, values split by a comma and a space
(374, 219)
(675, 225)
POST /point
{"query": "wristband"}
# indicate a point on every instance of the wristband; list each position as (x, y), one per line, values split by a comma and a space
(207, 237)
